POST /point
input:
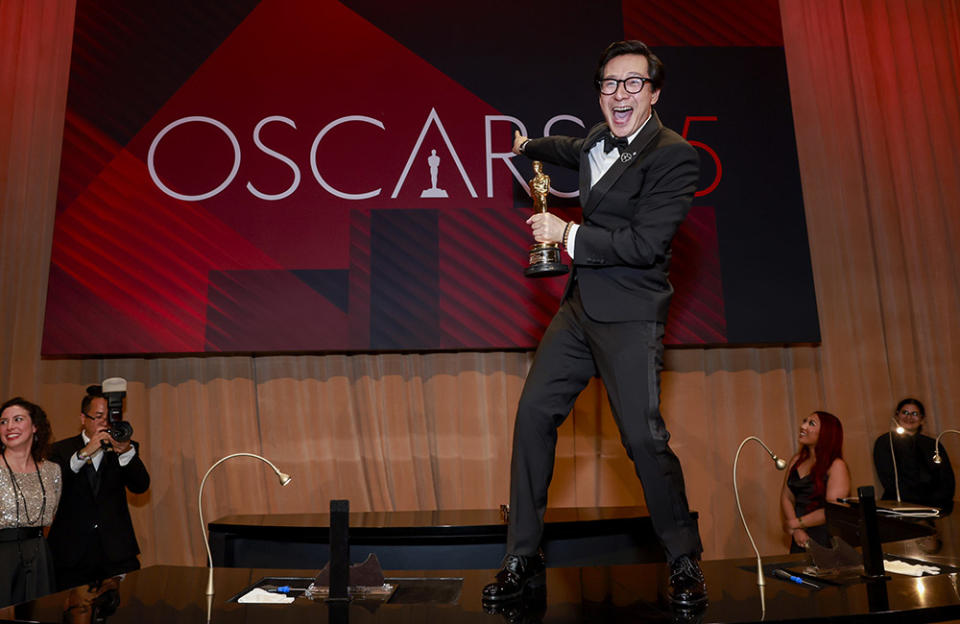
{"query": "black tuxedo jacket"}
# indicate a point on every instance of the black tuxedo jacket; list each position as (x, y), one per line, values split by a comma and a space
(84, 515)
(622, 248)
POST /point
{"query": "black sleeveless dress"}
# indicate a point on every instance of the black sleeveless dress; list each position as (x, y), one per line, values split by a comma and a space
(802, 489)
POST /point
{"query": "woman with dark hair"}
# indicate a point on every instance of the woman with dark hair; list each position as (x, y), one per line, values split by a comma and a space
(904, 461)
(817, 474)
(29, 493)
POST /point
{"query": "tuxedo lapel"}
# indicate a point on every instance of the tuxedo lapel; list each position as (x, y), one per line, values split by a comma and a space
(635, 152)
(595, 135)
(87, 478)
(585, 190)
(93, 477)
(89, 474)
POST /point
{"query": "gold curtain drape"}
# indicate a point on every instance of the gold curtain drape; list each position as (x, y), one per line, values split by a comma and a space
(874, 87)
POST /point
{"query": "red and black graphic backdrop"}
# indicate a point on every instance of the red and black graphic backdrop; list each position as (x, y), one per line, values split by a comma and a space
(255, 176)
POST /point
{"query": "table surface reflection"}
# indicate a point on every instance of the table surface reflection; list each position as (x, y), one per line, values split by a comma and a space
(172, 594)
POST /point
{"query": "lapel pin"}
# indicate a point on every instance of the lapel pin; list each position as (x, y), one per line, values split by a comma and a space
(626, 156)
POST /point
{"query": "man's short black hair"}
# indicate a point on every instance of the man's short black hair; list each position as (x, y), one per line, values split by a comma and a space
(618, 48)
(93, 392)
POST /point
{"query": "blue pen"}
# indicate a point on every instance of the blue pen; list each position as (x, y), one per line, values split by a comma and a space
(280, 589)
(796, 579)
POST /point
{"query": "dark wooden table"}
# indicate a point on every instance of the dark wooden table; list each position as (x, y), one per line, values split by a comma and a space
(172, 595)
(601, 593)
(421, 540)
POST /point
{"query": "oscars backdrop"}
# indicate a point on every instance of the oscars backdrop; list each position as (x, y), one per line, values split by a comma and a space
(312, 175)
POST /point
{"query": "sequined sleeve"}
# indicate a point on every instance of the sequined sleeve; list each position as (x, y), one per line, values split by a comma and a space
(8, 501)
(53, 482)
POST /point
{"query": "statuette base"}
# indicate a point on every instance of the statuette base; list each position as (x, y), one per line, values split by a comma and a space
(545, 261)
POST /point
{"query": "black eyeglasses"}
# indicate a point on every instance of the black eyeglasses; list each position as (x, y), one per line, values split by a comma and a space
(608, 86)
(914, 414)
(99, 417)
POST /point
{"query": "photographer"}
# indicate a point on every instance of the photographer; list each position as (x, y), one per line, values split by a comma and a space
(92, 536)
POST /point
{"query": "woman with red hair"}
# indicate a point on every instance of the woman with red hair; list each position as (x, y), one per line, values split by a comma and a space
(817, 474)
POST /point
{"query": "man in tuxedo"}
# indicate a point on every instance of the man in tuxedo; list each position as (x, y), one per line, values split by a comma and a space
(637, 181)
(92, 536)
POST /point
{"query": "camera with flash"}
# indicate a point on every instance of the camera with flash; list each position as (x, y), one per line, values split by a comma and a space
(114, 390)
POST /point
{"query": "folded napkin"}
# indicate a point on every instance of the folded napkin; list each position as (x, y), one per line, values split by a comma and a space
(902, 567)
(259, 596)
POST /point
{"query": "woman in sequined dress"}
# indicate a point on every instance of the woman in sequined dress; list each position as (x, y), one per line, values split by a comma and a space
(817, 474)
(29, 492)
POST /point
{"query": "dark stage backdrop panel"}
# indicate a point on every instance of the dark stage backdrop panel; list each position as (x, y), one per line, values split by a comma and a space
(304, 175)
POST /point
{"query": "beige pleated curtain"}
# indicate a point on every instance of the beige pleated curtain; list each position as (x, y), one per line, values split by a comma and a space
(875, 89)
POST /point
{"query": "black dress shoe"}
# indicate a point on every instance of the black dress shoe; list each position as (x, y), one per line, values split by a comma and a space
(528, 609)
(687, 586)
(688, 615)
(519, 573)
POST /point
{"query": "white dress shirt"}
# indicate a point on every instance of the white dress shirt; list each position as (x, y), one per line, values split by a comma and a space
(76, 464)
(600, 163)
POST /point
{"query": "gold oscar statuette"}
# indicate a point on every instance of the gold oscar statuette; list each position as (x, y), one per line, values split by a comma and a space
(544, 257)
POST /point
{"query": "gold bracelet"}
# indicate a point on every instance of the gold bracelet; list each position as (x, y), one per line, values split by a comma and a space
(566, 233)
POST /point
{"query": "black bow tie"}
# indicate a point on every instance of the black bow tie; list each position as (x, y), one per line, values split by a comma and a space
(610, 142)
